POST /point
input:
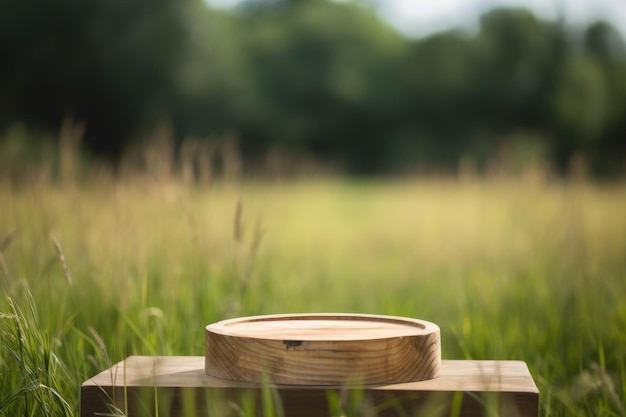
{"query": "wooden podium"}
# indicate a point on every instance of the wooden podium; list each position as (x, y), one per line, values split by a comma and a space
(179, 386)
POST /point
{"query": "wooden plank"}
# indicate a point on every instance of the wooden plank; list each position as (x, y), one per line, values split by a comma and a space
(179, 386)
(323, 349)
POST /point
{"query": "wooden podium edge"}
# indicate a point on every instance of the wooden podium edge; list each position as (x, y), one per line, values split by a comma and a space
(129, 382)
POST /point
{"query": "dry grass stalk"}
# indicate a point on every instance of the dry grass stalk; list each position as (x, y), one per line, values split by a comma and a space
(244, 256)
(66, 268)
(238, 224)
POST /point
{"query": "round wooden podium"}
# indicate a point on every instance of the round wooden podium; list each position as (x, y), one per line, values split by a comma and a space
(323, 349)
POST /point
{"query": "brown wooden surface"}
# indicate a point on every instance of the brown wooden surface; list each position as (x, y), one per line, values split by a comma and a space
(323, 349)
(180, 387)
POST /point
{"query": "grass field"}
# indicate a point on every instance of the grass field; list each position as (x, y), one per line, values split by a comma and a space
(100, 269)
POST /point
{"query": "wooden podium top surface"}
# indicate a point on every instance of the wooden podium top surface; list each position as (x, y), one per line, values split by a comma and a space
(323, 327)
(188, 371)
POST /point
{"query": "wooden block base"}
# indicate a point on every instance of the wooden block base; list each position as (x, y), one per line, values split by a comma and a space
(178, 386)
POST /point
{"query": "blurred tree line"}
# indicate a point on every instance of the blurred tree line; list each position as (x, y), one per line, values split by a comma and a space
(320, 78)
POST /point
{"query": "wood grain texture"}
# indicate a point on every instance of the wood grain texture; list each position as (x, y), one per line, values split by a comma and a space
(323, 349)
(180, 387)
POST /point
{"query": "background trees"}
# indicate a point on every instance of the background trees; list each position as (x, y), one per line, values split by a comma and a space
(111, 64)
(322, 78)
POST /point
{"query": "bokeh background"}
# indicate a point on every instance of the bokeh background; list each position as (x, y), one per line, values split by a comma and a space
(362, 87)
(165, 164)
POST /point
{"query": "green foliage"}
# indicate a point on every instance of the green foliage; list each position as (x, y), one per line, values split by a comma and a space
(322, 78)
(34, 378)
(580, 103)
(212, 82)
(324, 74)
(110, 64)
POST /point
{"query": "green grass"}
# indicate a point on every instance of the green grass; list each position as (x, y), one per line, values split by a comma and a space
(102, 269)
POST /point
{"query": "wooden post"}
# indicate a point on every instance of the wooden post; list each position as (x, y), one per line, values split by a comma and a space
(179, 386)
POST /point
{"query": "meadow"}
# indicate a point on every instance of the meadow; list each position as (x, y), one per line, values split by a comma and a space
(100, 268)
